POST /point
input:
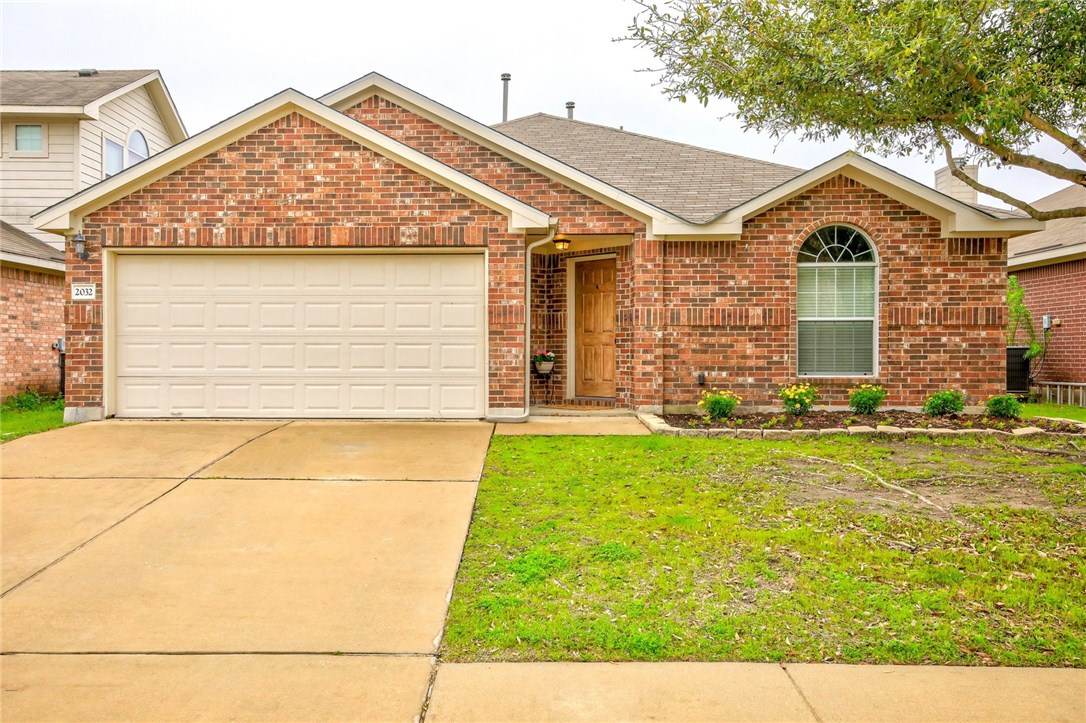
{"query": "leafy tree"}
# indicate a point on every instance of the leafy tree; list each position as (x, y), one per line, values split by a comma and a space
(1020, 320)
(898, 76)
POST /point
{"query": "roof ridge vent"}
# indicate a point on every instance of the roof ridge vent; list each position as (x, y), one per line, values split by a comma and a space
(87, 72)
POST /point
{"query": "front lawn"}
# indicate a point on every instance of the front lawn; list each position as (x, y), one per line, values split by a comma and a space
(656, 548)
(1066, 411)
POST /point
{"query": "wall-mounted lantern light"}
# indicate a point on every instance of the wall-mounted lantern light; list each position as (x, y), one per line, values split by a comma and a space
(561, 242)
(80, 247)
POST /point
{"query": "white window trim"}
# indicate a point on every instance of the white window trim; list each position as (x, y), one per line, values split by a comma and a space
(124, 153)
(43, 153)
(128, 144)
(874, 319)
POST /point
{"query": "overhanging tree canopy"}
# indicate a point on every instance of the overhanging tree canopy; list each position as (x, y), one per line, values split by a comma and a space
(898, 76)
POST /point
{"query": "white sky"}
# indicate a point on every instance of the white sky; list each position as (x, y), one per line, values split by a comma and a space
(219, 57)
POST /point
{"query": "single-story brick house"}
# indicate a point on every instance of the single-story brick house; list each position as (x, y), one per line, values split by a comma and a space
(373, 253)
(32, 296)
(1051, 267)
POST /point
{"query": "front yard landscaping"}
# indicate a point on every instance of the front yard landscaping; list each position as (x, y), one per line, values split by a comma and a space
(956, 550)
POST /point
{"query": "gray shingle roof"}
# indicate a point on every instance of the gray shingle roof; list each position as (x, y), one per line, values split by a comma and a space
(693, 183)
(1061, 233)
(15, 241)
(62, 87)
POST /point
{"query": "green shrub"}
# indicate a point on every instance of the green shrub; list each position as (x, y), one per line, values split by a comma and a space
(31, 400)
(944, 403)
(866, 398)
(798, 398)
(1005, 406)
(718, 404)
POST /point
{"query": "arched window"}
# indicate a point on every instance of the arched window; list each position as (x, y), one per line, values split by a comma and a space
(836, 303)
(137, 148)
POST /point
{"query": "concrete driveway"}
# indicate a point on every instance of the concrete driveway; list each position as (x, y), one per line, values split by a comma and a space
(242, 570)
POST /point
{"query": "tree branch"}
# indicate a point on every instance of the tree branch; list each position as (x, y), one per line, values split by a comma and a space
(1014, 158)
(1005, 197)
(1071, 142)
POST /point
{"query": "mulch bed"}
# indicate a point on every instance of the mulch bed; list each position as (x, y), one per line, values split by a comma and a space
(836, 420)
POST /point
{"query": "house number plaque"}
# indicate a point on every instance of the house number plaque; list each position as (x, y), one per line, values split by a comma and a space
(84, 292)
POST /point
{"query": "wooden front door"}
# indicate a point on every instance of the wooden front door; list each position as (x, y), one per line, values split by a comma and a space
(595, 328)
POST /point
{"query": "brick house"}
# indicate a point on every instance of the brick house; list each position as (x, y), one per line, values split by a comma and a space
(32, 296)
(373, 253)
(1051, 267)
(61, 131)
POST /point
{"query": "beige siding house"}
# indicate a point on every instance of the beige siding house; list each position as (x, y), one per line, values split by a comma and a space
(61, 131)
(64, 130)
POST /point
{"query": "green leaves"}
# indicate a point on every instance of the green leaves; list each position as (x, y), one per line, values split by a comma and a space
(886, 72)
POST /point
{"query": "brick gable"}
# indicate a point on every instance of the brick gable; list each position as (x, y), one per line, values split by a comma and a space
(291, 184)
(579, 214)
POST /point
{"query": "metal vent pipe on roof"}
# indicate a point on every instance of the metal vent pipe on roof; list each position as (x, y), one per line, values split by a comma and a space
(505, 96)
(569, 109)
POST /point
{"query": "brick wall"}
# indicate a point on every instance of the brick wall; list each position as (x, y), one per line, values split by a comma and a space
(1058, 290)
(33, 319)
(295, 183)
(730, 305)
(723, 307)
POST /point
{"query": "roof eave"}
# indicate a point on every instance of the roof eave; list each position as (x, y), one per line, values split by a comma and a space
(1046, 257)
(160, 96)
(8, 258)
(66, 216)
(957, 219)
(374, 83)
(75, 112)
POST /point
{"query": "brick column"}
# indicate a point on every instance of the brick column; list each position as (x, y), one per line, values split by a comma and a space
(647, 324)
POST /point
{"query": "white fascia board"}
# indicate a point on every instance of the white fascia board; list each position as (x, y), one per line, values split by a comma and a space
(7, 257)
(69, 111)
(67, 215)
(1047, 257)
(160, 96)
(957, 219)
(377, 84)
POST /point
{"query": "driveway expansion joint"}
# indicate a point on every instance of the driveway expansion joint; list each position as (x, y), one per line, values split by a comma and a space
(799, 691)
(144, 506)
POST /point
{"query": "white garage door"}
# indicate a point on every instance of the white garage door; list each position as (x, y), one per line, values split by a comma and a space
(300, 336)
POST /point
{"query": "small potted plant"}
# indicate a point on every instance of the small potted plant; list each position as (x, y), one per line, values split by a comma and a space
(544, 361)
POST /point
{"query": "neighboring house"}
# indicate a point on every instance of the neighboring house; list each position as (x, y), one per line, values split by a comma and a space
(374, 253)
(32, 296)
(60, 132)
(65, 130)
(1051, 267)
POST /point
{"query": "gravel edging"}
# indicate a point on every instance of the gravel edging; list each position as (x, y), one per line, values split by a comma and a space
(656, 425)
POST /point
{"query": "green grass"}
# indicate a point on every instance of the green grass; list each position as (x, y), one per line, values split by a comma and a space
(654, 548)
(1066, 411)
(15, 423)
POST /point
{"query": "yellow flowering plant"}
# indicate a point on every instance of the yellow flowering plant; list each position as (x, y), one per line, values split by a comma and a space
(719, 404)
(798, 398)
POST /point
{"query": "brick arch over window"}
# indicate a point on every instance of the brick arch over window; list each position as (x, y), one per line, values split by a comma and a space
(837, 303)
(876, 239)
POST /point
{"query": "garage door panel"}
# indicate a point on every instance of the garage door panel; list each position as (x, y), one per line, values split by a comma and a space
(298, 336)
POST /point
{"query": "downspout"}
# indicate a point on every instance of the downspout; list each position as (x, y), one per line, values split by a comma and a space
(528, 317)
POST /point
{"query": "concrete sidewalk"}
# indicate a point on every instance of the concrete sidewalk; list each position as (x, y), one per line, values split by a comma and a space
(754, 692)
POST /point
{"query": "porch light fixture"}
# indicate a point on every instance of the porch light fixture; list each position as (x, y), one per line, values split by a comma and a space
(80, 247)
(561, 242)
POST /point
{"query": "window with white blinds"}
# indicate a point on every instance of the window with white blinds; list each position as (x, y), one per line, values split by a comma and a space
(836, 303)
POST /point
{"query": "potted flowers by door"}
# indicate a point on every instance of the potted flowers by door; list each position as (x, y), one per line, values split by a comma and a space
(544, 361)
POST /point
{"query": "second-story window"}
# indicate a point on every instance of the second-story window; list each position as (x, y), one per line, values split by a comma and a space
(30, 138)
(113, 157)
(137, 148)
